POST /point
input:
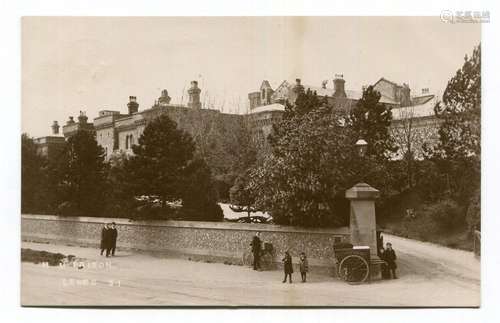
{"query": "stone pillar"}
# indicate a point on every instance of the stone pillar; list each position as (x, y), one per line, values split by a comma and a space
(362, 222)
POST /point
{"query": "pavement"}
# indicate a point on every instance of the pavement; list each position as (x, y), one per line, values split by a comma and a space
(429, 275)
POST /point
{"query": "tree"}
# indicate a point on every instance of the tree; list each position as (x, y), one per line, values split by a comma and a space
(371, 121)
(242, 197)
(410, 138)
(310, 166)
(199, 197)
(119, 196)
(458, 153)
(32, 176)
(81, 170)
(160, 160)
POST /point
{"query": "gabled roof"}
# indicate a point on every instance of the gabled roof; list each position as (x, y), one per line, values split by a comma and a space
(382, 79)
(422, 110)
(421, 99)
(265, 85)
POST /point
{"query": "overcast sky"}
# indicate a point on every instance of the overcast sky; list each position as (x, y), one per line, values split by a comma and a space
(79, 63)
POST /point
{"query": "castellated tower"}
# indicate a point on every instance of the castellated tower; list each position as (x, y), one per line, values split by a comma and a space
(132, 105)
(194, 96)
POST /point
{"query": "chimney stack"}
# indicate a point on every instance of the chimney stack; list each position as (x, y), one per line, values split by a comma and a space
(298, 88)
(82, 118)
(194, 96)
(339, 86)
(55, 128)
(132, 105)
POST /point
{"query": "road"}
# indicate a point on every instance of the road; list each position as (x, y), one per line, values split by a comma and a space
(430, 275)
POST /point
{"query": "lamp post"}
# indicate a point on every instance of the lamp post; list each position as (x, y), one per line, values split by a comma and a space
(361, 145)
(362, 196)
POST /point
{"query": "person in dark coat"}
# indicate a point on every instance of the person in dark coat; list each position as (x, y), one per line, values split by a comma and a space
(256, 250)
(304, 266)
(105, 239)
(390, 257)
(113, 236)
(384, 267)
(287, 267)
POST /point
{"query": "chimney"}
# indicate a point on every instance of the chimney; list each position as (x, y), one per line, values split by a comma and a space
(55, 128)
(194, 96)
(164, 99)
(339, 86)
(70, 121)
(82, 118)
(132, 105)
(298, 87)
(323, 84)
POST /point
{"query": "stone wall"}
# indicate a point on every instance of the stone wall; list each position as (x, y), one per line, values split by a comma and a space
(215, 241)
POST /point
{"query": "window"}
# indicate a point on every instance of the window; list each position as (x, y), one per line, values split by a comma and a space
(263, 94)
(126, 142)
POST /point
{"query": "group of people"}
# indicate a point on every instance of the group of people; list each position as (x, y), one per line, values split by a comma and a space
(287, 260)
(109, 234)
(387, 254)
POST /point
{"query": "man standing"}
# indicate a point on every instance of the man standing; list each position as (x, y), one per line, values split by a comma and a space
(256, 250)
(113, 235)
(105, 239)
(390, 257)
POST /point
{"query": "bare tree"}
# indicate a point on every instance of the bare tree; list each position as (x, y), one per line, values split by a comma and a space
(410, 132)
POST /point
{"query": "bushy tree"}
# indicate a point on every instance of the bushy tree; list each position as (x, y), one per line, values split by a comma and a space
(199, 197)
(370, 121)
(82, 174)
(242, 196)
(160, 159)
(33, 176)
(311, 163)
(164, 165)
(458, 153)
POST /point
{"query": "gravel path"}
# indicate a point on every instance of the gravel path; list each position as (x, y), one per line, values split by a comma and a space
(430, 275)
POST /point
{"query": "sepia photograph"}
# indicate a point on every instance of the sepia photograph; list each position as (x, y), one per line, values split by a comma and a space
(251, 161)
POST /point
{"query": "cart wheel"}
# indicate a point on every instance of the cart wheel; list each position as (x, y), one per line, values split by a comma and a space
(354, 269)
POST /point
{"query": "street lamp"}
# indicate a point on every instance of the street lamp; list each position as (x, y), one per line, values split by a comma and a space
(361, 146)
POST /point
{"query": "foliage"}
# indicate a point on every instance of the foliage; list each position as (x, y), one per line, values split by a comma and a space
(159, 164)
(82, 174)
(32, 176)
(312, 151)
(458, 153)
(199, 197)
(473, 215)
(371, 120)
(242, 196)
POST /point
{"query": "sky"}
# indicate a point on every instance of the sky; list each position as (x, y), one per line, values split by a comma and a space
(72, 64)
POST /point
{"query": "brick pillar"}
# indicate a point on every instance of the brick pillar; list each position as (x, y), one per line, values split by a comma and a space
(362, 221)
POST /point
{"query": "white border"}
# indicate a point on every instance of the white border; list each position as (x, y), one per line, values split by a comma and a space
(10, 161)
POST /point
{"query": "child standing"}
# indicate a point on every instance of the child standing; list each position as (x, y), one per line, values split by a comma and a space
(288, 267)
(304, 266)
(390, 257)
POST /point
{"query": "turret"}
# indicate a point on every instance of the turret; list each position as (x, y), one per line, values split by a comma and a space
(55, 128)
(194, 96)
(132, 105)
(164, 99)
(339, 86)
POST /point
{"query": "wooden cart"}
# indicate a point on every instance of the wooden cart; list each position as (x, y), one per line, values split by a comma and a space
(353, 263)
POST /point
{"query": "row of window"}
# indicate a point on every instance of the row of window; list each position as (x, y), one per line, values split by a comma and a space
(129, 141)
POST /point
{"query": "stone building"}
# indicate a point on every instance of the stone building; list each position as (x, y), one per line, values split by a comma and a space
(50, 146)
(217, 134)
(413, 113)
